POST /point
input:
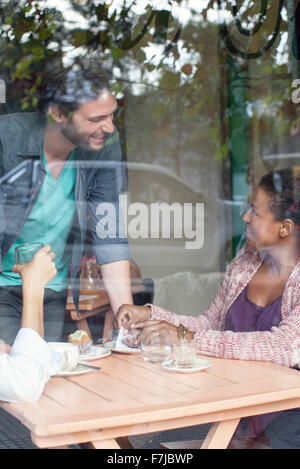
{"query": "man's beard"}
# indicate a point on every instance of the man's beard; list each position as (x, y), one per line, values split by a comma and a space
(74, 137)
(71, 133)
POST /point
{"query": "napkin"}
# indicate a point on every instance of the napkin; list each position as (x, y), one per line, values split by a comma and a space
(119, 343)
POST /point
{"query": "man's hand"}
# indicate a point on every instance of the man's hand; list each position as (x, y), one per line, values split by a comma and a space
(129, 315)
(40, 270)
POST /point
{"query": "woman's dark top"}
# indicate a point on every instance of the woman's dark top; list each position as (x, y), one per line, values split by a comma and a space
(245, 316)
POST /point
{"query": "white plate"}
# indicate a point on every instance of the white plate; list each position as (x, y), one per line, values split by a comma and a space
(200, 365)
(111, 346)
(96, 353)
(79, 370)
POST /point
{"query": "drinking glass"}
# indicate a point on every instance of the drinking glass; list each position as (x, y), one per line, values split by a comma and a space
(185, 353)
(155, 345)
(25, 252)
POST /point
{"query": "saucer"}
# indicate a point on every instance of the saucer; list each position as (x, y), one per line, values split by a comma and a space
(79, 370)
(111, 346)
(96, 353)
(200, 365)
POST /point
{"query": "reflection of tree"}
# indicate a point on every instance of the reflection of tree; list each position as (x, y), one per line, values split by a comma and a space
(255, 29)
(32, 35)
(182, 110)
(183, 68)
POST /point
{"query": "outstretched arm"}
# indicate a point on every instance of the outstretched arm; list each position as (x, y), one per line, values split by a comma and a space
(35, 275)
(26, 369)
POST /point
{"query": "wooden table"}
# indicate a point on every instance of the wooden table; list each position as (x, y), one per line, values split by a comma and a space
(131, 397)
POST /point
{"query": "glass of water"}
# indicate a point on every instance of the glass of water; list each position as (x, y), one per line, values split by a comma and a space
(185, 354)
(155, 345)
(25, 252)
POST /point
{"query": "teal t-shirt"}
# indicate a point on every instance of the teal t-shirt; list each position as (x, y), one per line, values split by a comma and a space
(49, 222)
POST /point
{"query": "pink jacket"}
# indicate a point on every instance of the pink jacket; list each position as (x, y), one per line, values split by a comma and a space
(279, 345)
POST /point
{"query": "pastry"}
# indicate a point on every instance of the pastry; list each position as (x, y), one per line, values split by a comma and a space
(82, 340)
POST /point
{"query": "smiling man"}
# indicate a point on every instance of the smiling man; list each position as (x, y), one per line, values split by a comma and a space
(56, 168)
(89, 126)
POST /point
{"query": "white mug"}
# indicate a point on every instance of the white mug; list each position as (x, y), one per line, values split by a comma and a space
(69, 352)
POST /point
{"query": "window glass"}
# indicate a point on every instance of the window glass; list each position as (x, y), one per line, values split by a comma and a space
(207, 95)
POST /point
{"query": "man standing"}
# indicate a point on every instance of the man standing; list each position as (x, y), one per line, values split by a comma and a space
(56, 171)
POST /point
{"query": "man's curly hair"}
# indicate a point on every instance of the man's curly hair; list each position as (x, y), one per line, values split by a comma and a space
(67, 88)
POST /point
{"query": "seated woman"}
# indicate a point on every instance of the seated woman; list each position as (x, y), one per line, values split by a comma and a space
(27, 366)
(256, 313)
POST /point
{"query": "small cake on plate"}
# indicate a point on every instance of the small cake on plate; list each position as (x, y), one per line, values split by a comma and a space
(82, 340)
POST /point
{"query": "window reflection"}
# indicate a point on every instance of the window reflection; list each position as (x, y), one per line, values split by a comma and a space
(204, 92)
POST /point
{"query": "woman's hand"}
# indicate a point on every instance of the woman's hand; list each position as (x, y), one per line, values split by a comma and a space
(129, 315)
(35, 275)
(157, 325)
(40, 270)
(137, 317)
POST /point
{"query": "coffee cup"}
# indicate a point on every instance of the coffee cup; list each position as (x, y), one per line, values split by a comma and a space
(69, 352)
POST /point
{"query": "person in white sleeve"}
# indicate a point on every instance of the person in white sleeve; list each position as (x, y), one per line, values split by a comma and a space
(29, 363)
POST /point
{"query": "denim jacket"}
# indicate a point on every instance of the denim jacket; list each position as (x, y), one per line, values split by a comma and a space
(98, 184)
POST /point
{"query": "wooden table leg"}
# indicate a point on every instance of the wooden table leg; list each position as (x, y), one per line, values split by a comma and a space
(108, 327)
(104, 444)
(220, 434)
(82, 325)
(108, 324)
(59, 447)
